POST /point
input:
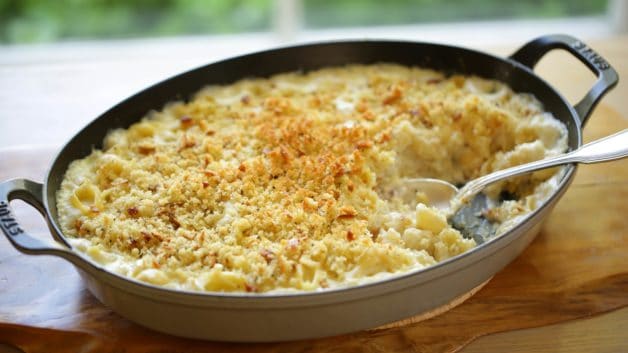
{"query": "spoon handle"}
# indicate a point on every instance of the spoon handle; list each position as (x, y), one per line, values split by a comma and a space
(605, 149)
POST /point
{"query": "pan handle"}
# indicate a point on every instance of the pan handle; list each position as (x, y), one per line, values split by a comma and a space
(32, 193)
(607, 78)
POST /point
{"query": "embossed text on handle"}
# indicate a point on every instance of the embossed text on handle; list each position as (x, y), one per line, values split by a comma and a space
(7, 222)
(591, 55)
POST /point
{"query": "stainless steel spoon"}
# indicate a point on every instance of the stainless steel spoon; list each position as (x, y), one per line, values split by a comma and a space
(449, 198)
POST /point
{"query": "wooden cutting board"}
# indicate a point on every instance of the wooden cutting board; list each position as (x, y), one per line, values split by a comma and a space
(576, 268)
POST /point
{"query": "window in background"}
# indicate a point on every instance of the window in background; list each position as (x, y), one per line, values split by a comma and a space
(33, 21)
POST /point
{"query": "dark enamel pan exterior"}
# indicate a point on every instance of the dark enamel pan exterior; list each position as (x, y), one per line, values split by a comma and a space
(277, 317)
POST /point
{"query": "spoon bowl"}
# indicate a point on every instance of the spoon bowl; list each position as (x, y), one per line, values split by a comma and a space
(438, 192)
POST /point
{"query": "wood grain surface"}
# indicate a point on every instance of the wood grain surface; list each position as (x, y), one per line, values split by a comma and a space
(577, 268)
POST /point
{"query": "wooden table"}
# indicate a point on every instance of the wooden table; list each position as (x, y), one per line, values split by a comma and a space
(568, 292)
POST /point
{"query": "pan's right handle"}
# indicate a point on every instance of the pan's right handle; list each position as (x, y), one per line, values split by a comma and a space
(533, 51)
(32, 193)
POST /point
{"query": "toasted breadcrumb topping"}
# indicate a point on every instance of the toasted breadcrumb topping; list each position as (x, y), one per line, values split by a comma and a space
(275, 184)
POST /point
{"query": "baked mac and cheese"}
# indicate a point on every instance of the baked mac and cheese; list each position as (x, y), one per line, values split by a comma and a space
(273, 184)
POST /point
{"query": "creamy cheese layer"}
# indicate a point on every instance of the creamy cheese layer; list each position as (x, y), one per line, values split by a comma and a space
(270, 185)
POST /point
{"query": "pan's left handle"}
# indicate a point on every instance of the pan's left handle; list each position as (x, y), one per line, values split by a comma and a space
(533, 51)
(32, 193)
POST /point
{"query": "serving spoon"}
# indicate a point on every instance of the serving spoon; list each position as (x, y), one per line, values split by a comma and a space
(447, 197)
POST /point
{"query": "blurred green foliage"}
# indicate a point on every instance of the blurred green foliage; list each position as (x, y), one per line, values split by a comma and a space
(50, 20)
(325, 13)
(28, 21)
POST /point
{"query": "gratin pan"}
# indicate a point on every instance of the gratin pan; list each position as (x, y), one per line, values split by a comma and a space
(247, 317)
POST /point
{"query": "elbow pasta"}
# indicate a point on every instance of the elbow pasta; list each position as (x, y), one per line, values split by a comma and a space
(273, 185)
(86, 198)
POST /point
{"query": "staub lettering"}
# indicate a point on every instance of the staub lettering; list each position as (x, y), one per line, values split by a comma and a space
(591, 55)
(7, 222)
